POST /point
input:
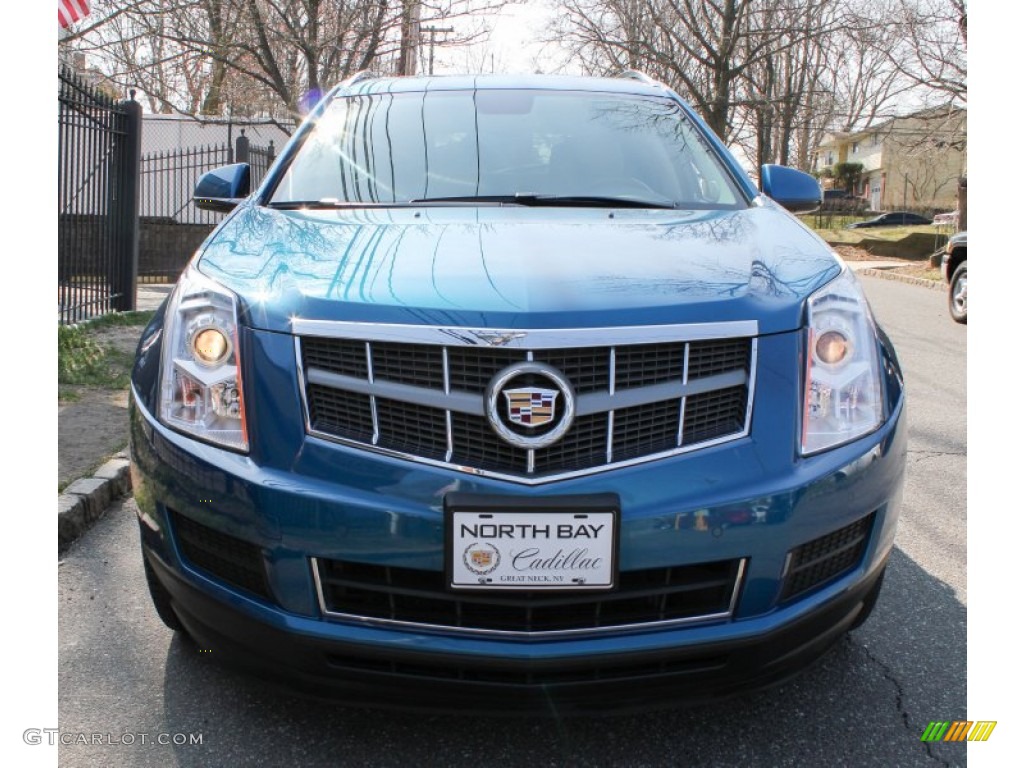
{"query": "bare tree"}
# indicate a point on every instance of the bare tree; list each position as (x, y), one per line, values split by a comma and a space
(865, 65)
(777, 97)
(706, 49)
(774, 76)
(933, 53)
(190, 55)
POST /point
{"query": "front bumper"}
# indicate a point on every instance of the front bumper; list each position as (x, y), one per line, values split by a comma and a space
(738, 500)
(447, 680)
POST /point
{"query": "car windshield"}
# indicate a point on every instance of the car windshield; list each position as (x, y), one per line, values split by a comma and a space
(506, 146)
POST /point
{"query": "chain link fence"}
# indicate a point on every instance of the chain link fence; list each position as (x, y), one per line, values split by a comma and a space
(171, 226)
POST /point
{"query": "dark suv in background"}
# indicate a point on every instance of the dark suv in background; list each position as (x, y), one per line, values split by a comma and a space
(954, 272)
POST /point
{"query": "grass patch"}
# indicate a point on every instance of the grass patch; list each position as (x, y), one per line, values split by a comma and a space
(83, 361)
(925, 271)
(833, 229)
(85, 358)
(115, 319)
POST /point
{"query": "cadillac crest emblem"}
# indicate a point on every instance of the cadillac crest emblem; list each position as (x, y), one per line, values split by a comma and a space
(531, 406)
(481, 558)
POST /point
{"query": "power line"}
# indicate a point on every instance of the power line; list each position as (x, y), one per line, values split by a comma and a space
(433, 41)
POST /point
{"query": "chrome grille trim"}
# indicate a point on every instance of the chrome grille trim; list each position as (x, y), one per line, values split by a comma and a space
(450, 447)
(461, 402)
(524, 479)
(373, 397)
(682, 400)
(465, 402)
(611, 371)
(538, 635)
(524, 339)
(751, 385)
(610, 447)
(447, 448)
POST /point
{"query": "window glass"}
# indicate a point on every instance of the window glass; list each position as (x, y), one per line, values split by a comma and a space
(440, 144)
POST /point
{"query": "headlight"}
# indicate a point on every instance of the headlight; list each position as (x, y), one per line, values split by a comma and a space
(200, 376)
(842, 390)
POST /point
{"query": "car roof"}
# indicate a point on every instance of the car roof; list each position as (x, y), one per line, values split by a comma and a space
(632, 84)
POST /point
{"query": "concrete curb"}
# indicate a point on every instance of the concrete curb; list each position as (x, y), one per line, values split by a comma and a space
(935, 285)
(84, 501)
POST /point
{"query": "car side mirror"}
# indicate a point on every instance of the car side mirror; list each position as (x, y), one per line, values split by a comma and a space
(222, 188)
(794, 190)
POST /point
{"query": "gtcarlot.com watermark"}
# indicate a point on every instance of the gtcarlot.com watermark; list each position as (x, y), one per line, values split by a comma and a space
(51, 736)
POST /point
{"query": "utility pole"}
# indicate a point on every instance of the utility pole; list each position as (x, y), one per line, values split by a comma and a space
(433, 41)
(409, 46)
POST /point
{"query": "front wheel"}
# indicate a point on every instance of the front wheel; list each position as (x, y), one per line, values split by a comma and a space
(958, 294)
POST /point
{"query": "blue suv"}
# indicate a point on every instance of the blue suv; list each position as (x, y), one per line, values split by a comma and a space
(513, 394)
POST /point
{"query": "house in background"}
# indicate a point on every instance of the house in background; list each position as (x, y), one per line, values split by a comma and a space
(913, 161)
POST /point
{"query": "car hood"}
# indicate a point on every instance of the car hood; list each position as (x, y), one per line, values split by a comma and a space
(518, 267)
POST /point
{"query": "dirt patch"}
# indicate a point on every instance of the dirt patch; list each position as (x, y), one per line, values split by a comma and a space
(912, 267)
(89, 431)
(92, 422)
(855, 253)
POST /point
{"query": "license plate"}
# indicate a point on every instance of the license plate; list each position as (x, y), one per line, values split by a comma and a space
(532, 549)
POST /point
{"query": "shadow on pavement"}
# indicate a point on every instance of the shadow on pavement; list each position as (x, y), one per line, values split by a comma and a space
(866, 702)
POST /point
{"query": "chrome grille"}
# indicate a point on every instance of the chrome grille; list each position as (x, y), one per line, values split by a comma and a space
(645, 429)
(648, 364)
(471, 369)
(404, 426)
(337, 412)
(712, 357)
(714, 414)
(475, 445)
(585, 445)
(343, 356)
(390, 594)
(424, 399)
(418, 366)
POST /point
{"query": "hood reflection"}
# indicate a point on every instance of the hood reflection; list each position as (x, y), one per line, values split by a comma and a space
(489, 267)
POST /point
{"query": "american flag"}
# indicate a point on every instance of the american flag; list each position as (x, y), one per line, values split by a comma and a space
(69, 11)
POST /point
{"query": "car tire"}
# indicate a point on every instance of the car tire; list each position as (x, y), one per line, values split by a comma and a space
(162, 600)
(869, 602)
(958, 294)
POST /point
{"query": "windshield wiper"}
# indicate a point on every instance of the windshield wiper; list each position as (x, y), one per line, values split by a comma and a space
(519, 198)
(542, 200)
(590, 201)
(330, 204)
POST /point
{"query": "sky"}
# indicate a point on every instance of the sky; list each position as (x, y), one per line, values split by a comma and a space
(514, 45)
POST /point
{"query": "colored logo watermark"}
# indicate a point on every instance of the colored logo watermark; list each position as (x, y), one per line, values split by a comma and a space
(958, 730)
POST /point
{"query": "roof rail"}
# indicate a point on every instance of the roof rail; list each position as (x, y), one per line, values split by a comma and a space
(633, 74)
(358, 77)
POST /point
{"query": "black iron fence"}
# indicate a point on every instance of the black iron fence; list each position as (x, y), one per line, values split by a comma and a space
(259, 158)
(167, 179)
(172, 227)
(97, 201)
